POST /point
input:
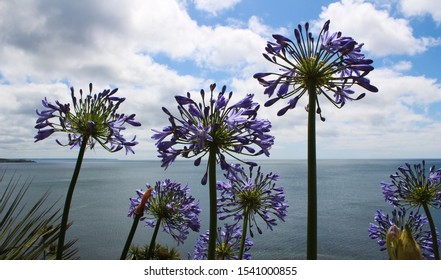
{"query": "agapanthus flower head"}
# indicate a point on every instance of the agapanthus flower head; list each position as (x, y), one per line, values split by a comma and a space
(386, 224)
(252, 196)
(332, 64)
(227, 244)
(411, 187)
(90, 117)
(213, 126)
(171, 205)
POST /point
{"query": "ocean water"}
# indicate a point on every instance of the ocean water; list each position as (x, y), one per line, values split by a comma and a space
(349, 193)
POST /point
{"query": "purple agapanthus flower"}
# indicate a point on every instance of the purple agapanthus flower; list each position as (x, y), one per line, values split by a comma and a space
(171, 205)
(418, 224)
(411, 187)
(213, 126)
(93, 118)
(333, 63)
(227, 244)
(250, 196)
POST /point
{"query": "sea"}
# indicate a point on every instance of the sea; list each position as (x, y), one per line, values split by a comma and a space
(349, 194)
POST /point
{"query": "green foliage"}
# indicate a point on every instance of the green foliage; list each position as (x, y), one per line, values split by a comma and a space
(28, 230)
(160, 253)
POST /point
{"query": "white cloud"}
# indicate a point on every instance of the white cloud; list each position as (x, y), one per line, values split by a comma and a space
(214, 6)
(382, 34)
(256, 25)
(402, 66)
(422, 8)
(221, 47)
(391, 123)
(229, 49)
(100, 41)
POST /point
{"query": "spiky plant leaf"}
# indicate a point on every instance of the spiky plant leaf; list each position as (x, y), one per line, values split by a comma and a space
(27, 229)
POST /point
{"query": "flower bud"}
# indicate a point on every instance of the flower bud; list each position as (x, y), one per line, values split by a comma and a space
(140, 209)
(392, 237)
(401, 245)
(408, 248)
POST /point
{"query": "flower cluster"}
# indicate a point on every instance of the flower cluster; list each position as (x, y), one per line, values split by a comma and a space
(94, 118)
(332, 64)
(416, 222)
(227, 244)
(213, 126)
(172, 206)
(411, 187)
(246, 196)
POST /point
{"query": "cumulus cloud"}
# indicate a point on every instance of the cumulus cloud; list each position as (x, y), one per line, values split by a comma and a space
(402, 66)
(214, 6)
(113, 40)
(393, 122)
(422, 8)
(382, 33)
(87, 38)
(256, 25)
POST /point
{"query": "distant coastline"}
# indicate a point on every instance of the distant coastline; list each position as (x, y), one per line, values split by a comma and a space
(16, 160)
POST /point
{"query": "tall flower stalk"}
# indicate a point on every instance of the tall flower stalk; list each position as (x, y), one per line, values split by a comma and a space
(332, 64)
(93, 119)
(167, 204)
(247, 197)
(410, 187)
(214, 128)
(137, 211)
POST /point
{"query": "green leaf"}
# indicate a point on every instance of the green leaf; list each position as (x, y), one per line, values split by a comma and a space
(28, 230)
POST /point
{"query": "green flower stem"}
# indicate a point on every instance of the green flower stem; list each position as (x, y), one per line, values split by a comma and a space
(311, 243)
(213, 203)
(130, 237)
(244, 235)
(432, 230)
(153, 241)
(69, 196)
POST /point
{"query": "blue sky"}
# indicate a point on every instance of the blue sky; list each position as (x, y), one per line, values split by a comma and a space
(154, 50)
